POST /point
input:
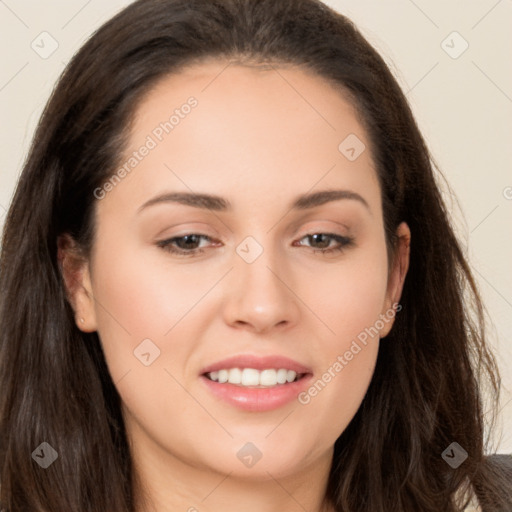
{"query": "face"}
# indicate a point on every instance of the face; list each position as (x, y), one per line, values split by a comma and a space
(267, 275)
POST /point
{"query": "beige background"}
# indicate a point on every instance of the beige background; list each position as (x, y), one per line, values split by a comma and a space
(462, 101)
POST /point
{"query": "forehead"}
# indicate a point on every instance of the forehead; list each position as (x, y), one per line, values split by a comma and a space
(274, 131)
(226, 88)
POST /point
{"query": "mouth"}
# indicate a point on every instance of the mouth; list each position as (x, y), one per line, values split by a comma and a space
(256, 384)
(256, 390)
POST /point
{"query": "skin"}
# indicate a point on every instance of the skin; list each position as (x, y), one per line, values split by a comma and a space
(259, 138)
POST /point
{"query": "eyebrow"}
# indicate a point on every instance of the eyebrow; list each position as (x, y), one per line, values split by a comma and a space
(220, 204)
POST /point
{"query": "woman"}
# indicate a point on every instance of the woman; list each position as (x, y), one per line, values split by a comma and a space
(174, 339)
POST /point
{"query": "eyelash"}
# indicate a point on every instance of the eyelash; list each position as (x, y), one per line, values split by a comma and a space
(343, 241)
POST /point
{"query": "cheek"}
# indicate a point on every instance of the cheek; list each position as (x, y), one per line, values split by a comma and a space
(349, 296)
(349, 301)
(147, 323)
(139, 296)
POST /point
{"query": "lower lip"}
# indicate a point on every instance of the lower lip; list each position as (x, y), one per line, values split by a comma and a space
(257, 399)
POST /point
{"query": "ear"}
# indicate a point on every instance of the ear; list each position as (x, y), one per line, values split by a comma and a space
(75, 272)
(396, 278)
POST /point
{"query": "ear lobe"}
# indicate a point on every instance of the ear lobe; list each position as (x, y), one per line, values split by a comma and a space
(397, 274)
(74, 269)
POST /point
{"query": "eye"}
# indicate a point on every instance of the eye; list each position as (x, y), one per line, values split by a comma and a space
(189, 244)
(324, 242)
(186, 244)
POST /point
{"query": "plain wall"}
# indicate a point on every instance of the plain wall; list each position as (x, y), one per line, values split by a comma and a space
(462, 101)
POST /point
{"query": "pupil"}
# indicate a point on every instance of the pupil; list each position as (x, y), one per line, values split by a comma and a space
(325, 244)
(183, 241)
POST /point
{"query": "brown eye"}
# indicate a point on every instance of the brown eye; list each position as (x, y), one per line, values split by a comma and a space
(322, 241)
(185, 245)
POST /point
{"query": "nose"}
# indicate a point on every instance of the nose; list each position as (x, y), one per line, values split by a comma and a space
(261, 296)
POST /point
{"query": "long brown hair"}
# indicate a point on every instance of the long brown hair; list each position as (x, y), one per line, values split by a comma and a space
(426, 392)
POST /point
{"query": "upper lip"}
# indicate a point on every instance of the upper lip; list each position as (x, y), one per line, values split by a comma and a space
(257, 362)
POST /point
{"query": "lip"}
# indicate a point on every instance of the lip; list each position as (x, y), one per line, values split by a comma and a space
(257, 399)
(256, 362)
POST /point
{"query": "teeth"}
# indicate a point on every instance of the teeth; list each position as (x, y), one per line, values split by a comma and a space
(281, 376)
(235, 376)
(252, 377)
